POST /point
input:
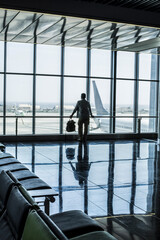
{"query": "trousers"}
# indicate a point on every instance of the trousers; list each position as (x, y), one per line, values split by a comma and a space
(83, 128)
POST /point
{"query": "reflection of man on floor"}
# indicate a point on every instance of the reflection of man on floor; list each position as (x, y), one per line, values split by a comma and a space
(82, 167)
(83, 110)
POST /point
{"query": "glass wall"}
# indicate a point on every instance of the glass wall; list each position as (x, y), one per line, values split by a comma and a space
(19, 57)
(125, 92)
(19, 103)
(47, 104)
(124, 105)
(44, 82)
(48, 59)
(75, 61)
(100, 88)
(147, 102)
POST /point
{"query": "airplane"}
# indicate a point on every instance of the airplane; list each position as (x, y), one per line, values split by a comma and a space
(122, 124)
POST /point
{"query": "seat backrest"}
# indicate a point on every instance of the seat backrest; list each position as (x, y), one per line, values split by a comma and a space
(6, 184)
(28, 197)
(53, 227)
(13, 177)
(17, 209)
(36, 229)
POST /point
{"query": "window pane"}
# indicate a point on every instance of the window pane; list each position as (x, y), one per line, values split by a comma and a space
(47, 95)
(125, 65)
(148, 125)
(124, 105)
(73, 87)
(100, 96)
(47, 104)
(19, 57)
(100, 63)
(47, 125)
(19, 95)
(48, 59)
(100, 104)
(124, 98)
(147, 98)
(99, 125)
(24, 126)
(144, 66)
(2, 56)
(75, 61)
(11, 126)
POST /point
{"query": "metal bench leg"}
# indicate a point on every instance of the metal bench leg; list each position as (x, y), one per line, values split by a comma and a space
(47, 204)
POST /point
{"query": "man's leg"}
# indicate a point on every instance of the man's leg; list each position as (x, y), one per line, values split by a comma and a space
(86, 123)
(80, 123)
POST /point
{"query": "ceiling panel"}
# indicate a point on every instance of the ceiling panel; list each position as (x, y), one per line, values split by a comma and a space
(28, 27)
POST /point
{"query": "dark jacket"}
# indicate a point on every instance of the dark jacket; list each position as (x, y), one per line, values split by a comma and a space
(83, 110)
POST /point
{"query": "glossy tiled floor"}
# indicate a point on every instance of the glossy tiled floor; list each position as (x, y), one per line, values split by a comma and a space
(117, 182)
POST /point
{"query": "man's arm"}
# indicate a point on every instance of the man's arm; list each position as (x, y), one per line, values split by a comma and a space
(90, 111)
(75, 109)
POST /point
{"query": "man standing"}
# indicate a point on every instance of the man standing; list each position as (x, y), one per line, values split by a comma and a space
(83, 109)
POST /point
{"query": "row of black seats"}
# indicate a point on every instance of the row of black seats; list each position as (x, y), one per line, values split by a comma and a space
(22, 219)
(27, 178)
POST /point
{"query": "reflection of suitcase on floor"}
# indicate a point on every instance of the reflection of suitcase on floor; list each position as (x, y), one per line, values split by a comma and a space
(70, 126)
(70, 153)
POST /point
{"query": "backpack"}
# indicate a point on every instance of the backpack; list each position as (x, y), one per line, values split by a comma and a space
(70, 126)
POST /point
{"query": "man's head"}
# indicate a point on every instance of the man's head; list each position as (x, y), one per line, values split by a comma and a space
(83, 96)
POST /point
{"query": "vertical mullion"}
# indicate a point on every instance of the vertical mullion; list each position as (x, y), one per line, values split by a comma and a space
(60, 178)
(158, 85)
(4, 77)
(34, 73)
(135, 154)
(113, 91)
(136, 85)
(34, 86)
(111, 167)
(88, 73)
(33, 157)
(158, 120)
(4, 88)
(62, 89)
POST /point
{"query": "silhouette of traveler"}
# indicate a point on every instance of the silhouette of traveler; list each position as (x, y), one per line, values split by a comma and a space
(82, 167)
(83, 110)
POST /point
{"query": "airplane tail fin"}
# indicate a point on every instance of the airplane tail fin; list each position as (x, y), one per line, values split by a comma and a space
(98, 102)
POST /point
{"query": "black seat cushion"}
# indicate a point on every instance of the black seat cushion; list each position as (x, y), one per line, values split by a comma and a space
(13, 167)
(24, 174)
(74, 223)
(5, 155)
(6, 161)
(34, 183)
